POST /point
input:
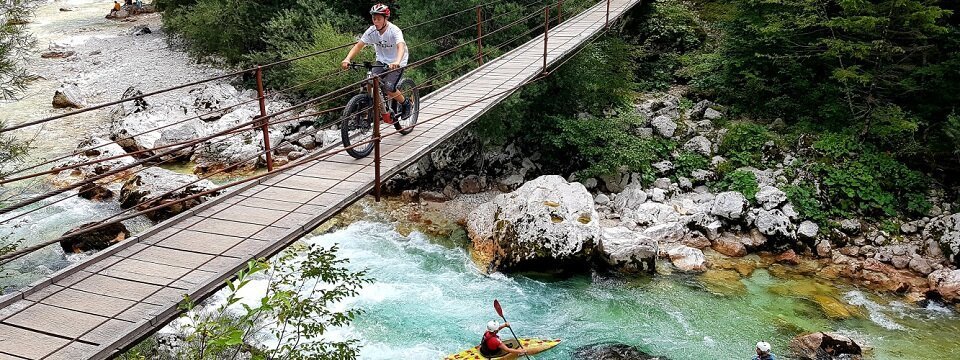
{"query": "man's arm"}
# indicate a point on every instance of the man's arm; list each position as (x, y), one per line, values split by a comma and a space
(353, 52)
(401, 50)
(509, 350)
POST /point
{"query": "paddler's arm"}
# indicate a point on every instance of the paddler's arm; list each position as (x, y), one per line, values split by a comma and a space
(509, 350)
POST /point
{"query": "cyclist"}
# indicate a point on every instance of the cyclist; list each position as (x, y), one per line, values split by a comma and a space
(391, 50)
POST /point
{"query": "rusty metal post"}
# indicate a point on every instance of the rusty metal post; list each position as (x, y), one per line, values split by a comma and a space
(479, 36)
(377, 97)
(606, 25)
(559, 11)
(264, 121)
(546, 29)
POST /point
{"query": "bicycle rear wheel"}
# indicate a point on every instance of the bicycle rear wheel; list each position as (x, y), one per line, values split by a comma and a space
(356, 125)
(410, 91)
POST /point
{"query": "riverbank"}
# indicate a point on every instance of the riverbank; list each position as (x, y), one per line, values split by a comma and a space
(108, 56)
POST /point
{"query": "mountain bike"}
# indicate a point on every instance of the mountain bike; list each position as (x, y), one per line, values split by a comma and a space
(356, 125)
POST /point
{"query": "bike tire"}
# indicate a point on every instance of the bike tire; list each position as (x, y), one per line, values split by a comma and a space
(356, 125)
(409, 89)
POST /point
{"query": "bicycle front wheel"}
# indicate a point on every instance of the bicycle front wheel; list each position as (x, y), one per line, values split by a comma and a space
(356, 125)
(410, 91)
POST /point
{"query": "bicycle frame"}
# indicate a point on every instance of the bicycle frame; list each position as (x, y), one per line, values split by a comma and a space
(366, 86)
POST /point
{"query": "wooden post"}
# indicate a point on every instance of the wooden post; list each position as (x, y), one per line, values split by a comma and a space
(546, 29)
(479, 37)
(264, 121)
(376, 136)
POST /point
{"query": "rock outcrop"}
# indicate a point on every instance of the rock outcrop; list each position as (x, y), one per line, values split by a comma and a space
(627, 250)
(544, 224)
(825, 346)
(98, 239)
(155, 186)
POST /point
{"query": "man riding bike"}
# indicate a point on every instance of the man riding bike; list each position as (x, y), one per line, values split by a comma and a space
(391, 51)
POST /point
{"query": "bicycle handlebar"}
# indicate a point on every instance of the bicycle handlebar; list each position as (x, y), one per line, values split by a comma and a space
(367, 65)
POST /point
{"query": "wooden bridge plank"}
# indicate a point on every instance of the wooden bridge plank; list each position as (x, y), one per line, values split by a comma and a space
(50, 320)
(28, 344)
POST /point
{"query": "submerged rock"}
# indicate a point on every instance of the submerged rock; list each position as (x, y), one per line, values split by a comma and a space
(613, 352)
(825, 346)
(98, 239)
(542, 225)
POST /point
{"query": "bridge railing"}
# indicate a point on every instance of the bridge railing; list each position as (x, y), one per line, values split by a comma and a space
(317, 106)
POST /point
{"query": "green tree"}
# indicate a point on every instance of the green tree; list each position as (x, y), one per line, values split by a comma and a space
(303, 284)
(15, 42)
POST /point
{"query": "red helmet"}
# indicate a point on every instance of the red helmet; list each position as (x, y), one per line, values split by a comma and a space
(380, 9)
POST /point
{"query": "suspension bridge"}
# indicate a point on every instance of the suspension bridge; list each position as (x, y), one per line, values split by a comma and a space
(99, 307)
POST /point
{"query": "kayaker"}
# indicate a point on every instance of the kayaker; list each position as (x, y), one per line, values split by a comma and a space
(763, 352)
(491, 345)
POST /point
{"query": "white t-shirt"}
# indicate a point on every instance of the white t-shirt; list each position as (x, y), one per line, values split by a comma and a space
(386, 44)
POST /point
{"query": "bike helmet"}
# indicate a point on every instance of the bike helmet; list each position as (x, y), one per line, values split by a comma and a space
(380, 9)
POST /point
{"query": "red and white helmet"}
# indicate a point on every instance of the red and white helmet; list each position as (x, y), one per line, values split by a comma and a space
(380, 9)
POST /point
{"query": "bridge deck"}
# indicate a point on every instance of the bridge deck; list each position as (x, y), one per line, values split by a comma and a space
(93, 309)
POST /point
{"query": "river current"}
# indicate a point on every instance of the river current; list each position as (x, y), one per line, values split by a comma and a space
(429, 300)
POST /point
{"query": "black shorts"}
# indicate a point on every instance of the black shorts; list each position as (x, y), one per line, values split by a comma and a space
(388, 81)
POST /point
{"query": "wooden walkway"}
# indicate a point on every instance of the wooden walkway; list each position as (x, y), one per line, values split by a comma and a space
(97, 308)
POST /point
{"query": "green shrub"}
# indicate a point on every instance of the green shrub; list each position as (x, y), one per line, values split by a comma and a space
(603, 145)
(858, 179)
(666, 29)
(804, 199)
(688, 161)
(742, 145)
(741, 181)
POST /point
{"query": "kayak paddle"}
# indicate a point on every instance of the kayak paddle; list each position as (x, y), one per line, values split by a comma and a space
(496, 305)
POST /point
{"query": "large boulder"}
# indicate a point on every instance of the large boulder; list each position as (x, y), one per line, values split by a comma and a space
(90, 150)
(68, 96)
(730, 205)
(774, 223)
(155, 186)
(612, 352)
(458, 153)
(770, 197)
(543, 225)
(129, 107)
(699, 144)
(946, 283)
(825, 346)
(688, 259)
(945, 230)
(627, 250)
(239, 152)
(98, 239)
(729, 245)
(630, 198)
(664, 126)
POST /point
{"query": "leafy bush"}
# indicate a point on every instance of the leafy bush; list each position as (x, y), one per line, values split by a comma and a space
(15, 44)
(295, 313)
(858, 179)
(742, 145)
(688, 161)
(805, 200)
(603, 145)
(742, 181)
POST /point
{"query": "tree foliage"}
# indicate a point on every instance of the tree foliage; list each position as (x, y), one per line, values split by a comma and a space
(886, 68)
(15, 42)
(288, 322)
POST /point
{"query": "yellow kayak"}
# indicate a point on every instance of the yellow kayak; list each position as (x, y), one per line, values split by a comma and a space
(532, 346)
